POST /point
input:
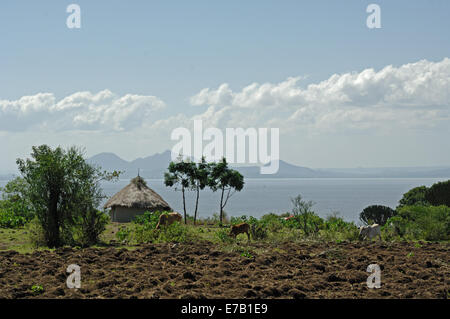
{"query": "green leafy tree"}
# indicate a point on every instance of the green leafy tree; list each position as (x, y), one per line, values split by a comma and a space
(15, 207)
(415, 196)
(439, 194)
(378, 214)
(63, 189)
(225, 179)
(199, 173)
(180, 175)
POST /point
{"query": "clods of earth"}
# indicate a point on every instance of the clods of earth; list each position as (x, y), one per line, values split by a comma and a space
(256, 270)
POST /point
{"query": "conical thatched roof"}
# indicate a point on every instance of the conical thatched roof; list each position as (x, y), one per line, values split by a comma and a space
(138, 195)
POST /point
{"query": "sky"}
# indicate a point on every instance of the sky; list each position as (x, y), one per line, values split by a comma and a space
(342, 94)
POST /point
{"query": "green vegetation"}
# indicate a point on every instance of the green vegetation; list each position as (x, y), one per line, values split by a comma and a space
(225, 179)
(439, 194)
(15, 208)
(196, 176)
(56, 198)
(376, 214)
(431, 223)
(37, 289)
(54, 204)
(415, 196)
(142, 230)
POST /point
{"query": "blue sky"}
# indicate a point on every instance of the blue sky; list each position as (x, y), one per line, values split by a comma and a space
(174, 49)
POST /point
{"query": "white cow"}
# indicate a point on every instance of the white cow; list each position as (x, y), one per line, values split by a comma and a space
(369, 231)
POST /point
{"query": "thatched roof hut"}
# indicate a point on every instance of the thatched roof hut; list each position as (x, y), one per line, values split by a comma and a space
(134, 199)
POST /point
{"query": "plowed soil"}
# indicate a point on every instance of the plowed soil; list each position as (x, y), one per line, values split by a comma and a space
(203, 270)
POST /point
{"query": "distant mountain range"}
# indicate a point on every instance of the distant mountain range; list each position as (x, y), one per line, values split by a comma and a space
(155, 165)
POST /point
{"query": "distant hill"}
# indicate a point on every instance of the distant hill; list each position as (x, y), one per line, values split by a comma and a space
(286, 170)
(149, 167)
(155, 165)
(109, 161)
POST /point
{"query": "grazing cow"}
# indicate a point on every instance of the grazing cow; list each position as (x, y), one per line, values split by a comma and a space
(369, 231)
(168, 219)
(288, 218)
(240, 229)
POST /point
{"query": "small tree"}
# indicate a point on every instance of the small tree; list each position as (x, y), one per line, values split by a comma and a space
(62, 188)
(199, 173)
(225, 179)
(377, 214)
(304, 214)
(180, 174)
(439, 194)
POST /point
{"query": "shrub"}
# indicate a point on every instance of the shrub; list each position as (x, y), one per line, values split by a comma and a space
(149, 218)
(307, 220)
(144, 231)
(238, 220)
(422, 222)
(123, 233)
(35, 233)
(415, 196)
(336, 229)
(223, 236)
(89, 225)
(258, 231)
(272, 222)
(377, 214)
(15, 207)
(176, 233)
(8, 219)
(439, 194)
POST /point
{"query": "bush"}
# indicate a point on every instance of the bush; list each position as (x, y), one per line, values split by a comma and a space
(439, 194)
(15, 208)
(430, 223)
(271, 222)
(238, 220)
(223, 236)
(377, 214)
(35, 232)
(142, 230)
(414, 197)
(149, 218)
(123, 234)
(8, 219)
(305, 218)
(258, 231)
(89, 225)
(336, 229)
(176, 233)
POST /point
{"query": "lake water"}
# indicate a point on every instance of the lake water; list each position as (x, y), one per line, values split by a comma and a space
(348, 196)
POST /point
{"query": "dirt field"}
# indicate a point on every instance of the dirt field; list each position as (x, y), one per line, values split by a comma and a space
(203, 270)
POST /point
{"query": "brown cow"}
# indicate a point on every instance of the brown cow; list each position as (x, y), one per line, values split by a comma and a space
(240, 229)
(168, 219)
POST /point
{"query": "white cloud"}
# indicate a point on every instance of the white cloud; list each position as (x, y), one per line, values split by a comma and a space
(391, 107)
(82, 110)
(413, 94)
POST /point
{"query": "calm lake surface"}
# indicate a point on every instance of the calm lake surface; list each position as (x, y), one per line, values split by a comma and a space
(348, 196)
